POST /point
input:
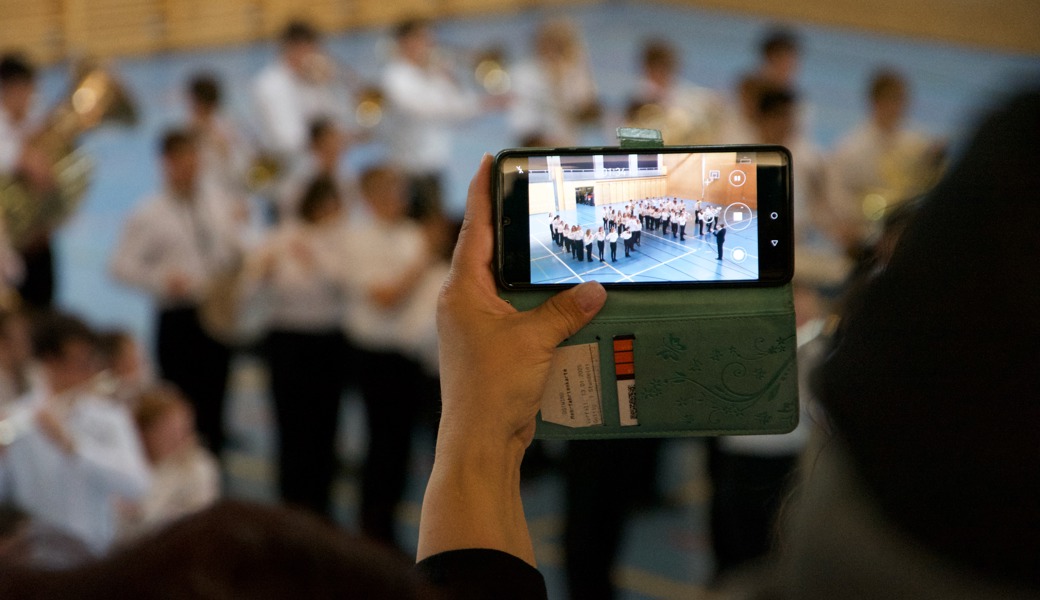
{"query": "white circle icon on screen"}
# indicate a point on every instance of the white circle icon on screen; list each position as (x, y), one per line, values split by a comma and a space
(739, 254)
(738, 216)
(737, 178)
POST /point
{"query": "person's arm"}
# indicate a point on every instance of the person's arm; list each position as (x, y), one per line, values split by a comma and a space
(494, 364)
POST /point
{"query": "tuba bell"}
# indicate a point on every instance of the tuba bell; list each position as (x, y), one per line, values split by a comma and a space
(95, 97)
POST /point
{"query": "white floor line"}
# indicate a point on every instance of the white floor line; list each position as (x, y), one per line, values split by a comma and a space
(540, 243)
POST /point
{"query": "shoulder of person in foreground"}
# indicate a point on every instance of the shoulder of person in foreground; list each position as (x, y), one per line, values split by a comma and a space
(234, 550)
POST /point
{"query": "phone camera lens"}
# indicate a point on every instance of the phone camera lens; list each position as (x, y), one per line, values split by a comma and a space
(506, 221)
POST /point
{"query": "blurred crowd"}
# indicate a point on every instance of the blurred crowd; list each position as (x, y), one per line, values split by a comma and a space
(264, 241)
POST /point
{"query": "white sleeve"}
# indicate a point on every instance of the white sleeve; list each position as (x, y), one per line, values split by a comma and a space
(137, 254)
(429, 100)
(276, 102)
(110, 451)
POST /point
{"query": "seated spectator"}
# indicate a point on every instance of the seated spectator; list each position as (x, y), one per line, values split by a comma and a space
(185, 476)
(71, 453)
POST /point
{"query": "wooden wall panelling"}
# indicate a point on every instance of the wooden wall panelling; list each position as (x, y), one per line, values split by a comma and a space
(1005, 24)
(468, 7)
(194, 23)
(326, 15)
(33, 27)
(106, 28)
(388, 12)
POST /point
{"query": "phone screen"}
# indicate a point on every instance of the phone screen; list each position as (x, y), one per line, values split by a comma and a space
(715, 216)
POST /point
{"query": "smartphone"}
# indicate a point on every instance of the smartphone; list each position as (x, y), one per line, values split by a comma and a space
(678, 216)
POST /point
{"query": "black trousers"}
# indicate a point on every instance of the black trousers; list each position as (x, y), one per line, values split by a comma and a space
(748, 492)
(613, 251)
(424, 195)
(600, 244)
(588, 252)
(37, 287)
(604, 481)
(395, 391)
(307, 377)
(198, 364)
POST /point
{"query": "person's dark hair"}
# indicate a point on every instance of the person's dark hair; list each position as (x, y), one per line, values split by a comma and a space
(931, 379)
(204, 88)
(319, 192)
(409, 26)
(16, 68)
(774, 99)
(299, 31)
(53, 330)
(233, 550)
(885, 81)
(779, 40)
(318, 128)
(174, 141)
(111, 342)
(658, 52)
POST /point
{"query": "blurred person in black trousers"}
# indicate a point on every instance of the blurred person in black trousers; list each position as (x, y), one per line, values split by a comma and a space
(173, 247)
(305, 349)
(390, 255)
(18, 159)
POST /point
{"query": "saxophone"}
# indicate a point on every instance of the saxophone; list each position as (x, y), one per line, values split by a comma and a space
(95, 97)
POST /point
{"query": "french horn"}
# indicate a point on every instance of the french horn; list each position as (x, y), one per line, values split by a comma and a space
(94, 98)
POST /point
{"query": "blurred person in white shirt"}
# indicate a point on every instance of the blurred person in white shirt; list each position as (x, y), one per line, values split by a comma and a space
(554, 93)
(298, 88)
(881, 162)
(185, 476)
(683, 112)
(70, 453)
(389, 256)
(174, 247)
(425, 103)
(299, 264)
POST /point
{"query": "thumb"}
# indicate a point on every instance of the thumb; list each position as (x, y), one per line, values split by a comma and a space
(570, 310)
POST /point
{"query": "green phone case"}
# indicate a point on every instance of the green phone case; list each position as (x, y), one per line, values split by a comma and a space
(706, 361)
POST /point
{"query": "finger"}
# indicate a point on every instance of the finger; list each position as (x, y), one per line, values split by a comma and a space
(567, 312)
(476, 239)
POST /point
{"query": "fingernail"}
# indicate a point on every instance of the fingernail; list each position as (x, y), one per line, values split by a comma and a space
(590, 296)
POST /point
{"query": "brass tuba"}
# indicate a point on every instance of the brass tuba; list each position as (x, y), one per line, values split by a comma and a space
(95, 97)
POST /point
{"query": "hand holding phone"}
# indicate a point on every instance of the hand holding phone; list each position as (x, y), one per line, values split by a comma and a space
(696, 246)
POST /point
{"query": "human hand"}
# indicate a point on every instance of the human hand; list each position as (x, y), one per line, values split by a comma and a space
(494, 359)
(494, 364)
(51, 426)
(178, 285)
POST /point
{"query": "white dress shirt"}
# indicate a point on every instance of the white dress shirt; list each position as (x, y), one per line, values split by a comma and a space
(288, 103)
(166, 235)
(380, 254)
(423, 104)
(545, 107)
(76, 492)
(303, 294)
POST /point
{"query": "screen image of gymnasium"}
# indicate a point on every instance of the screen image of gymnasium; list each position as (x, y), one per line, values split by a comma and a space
(660, 218)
